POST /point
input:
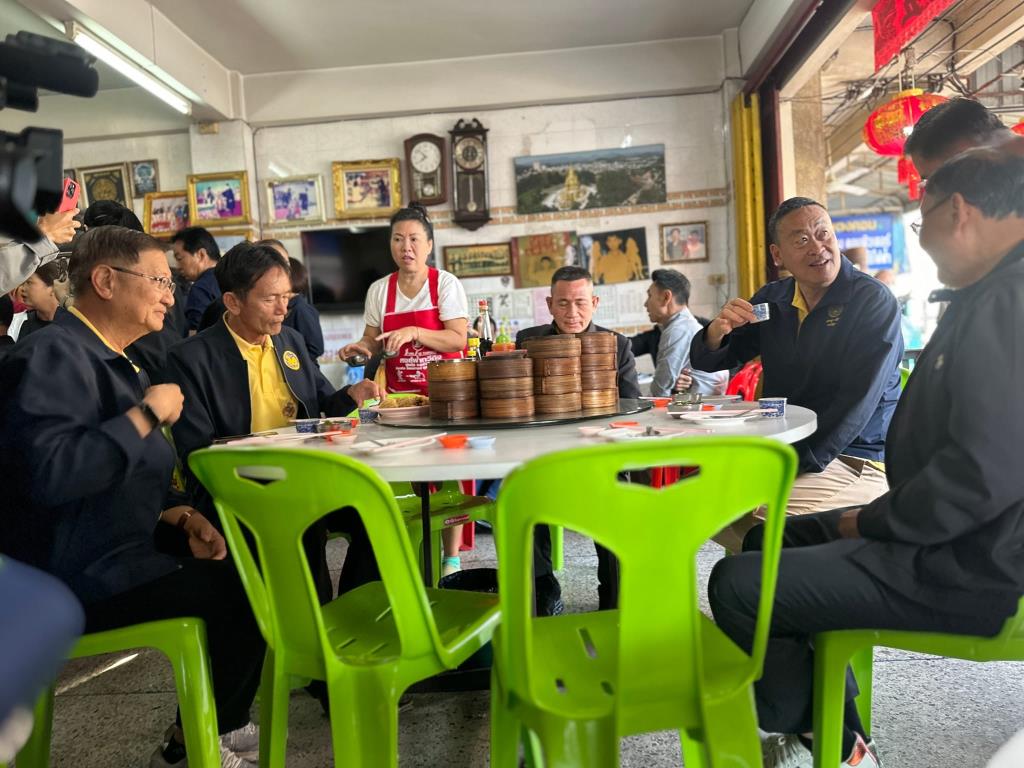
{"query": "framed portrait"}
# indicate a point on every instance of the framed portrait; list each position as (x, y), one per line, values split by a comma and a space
(296, 198)
(618, 256)
(685, 241)
(165, 212)
(145, 177)
(218, 199)
(536, 257)
(70, 173)
(366, 189)
(105, 182)
(489, 260)
(227, 238)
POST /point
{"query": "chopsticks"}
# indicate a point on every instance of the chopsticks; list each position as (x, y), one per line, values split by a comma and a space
(405, 443)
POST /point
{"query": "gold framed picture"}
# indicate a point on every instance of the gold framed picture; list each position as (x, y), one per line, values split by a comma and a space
(105, 182)
(165, 212)
(366, 189)
(296, 199)
(487, 260)
(219, 199)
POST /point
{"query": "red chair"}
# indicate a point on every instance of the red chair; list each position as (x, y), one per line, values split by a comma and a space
(745, 382)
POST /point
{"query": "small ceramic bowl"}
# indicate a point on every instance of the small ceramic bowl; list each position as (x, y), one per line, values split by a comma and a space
(341, 438)
(454, 441)
(590, 431)
(336, 424)
(306, 425)
(366, 415)
(623, 424)
(662, 402)
(482, 441)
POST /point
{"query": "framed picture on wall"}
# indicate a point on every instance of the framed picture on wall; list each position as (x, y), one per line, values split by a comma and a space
(537, 257)
(105, 182)
(685, 241)
(366, 188)
(216, 199)
(616, 257)
(145, 178)
(227, 238)
(295, 199)
(165, 212)
(490, 260)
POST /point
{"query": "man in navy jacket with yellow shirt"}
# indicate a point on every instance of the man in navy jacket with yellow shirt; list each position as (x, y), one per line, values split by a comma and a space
(831, 343)
(248, 373)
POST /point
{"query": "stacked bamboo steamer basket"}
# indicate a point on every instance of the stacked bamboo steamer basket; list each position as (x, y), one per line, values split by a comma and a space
(599, 370)
(506, 387)
(557, 382)
(453, 390)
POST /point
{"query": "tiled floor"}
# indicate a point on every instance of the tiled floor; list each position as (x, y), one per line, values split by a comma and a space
(928, 712)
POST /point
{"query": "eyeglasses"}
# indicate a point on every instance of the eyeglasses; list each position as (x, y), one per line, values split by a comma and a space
(165, 283)
(915, 227)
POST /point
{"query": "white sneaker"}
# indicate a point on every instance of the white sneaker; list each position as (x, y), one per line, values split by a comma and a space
(244, 741)
(229, 759)
(782, 750)
(861, 757)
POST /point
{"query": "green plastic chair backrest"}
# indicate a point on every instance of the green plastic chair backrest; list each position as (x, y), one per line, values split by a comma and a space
(656, 534)
(277, 494)
(904, 375)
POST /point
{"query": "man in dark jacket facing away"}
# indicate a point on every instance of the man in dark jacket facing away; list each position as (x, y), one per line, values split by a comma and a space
(943, 549)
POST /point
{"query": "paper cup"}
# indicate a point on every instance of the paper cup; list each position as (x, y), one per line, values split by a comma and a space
(760, 312)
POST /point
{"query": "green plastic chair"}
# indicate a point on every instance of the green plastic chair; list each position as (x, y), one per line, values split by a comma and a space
(183, 641)
(904, 375)
(369, 644)
(834, 650)
(578, 682)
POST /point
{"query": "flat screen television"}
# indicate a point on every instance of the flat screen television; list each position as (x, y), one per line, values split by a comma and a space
(342, 264)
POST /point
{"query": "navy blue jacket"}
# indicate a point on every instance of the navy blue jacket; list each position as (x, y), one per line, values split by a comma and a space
(203, 291)
(303, 317)
(842, 363)
(214, 379)
(82, 491)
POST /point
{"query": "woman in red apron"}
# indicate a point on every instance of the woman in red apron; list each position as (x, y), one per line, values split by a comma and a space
(403, 317)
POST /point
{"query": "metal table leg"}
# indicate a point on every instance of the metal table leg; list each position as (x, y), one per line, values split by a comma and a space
(423, 491)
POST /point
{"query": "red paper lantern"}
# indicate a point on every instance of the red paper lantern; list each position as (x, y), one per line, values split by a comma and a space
(1019, 128)
(888, 127)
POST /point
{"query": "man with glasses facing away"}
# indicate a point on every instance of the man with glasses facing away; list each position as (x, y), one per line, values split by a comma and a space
(87, 472)
(943, 549)
(832, 343)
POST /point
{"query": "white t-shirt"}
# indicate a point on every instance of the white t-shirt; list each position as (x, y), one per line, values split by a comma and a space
(451, 299)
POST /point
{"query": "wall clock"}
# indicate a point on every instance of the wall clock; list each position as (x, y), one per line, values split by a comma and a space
(426, 161)
(469, 174)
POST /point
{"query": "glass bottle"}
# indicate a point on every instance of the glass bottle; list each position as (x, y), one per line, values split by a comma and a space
(486, 333)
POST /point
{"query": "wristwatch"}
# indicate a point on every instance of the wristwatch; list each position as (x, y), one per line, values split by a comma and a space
(149, 414)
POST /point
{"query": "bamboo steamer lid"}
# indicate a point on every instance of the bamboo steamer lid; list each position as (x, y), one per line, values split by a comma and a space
(507, 408)
(452, 390)
(562, 345)
(595, 380)
(566, 403)
(557, 385)
(596, 342)
(456, 369)
(454, 409)
(504, 368)
(602, 362)
(557, 366)
(520, 386)
(600, 398)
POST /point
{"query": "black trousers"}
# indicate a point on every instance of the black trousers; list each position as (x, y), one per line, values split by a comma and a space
(212, 591)
(548, 588)
(360, 564)
(819, 588)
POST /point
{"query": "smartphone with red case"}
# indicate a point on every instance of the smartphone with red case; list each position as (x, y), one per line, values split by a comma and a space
(69, 198)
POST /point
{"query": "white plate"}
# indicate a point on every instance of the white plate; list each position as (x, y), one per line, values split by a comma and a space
(372, 446)
(712, 419)
(396, 415)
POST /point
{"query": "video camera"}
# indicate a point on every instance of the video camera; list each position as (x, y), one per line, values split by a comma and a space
(32, 162)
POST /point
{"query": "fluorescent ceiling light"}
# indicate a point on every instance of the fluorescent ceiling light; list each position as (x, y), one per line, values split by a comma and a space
(128, 68)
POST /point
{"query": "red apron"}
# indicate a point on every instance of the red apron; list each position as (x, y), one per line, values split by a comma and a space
(408, 371)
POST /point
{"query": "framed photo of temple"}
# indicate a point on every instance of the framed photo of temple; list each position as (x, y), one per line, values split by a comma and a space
(165, 212)
(145, 177)
(619, 256)
(536, 257)
(297, 199)
(367, 189)
(105, 182)
(219, 199)
(489, 260)
(683, 242)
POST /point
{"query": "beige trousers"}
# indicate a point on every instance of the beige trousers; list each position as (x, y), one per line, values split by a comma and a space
(845, 482)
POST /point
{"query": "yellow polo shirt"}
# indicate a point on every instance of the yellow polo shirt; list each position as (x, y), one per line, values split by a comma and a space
(799, 305)
(88, 324)
(270, 399)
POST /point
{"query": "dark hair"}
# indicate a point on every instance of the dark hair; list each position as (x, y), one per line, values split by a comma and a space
(950, 123)
(244, 264)
(990, 180)
(49, 273)
(300, 281)
(570, 274)
(194, 238)
(787, 207)
(675, 281)
(104, 213)
(414, 212)
(6, 310)
(108, 244)
(273, 243)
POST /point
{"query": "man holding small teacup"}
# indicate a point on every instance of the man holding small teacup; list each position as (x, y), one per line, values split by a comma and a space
(829, 340)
